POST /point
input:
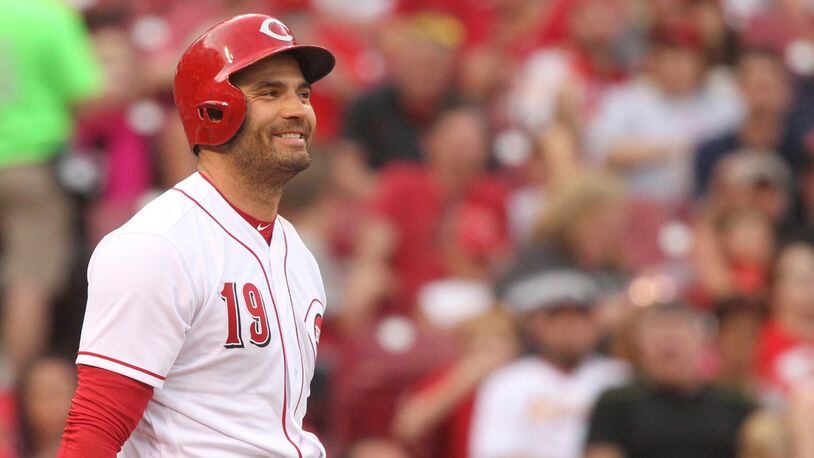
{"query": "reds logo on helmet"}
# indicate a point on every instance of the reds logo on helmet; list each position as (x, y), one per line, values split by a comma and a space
(281, 33)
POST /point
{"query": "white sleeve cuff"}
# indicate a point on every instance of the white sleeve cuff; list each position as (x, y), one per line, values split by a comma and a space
(120, 367)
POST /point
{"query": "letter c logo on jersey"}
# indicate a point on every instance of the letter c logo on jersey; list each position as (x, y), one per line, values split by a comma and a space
(280, 31)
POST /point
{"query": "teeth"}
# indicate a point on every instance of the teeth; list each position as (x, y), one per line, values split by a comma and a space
(289, 135)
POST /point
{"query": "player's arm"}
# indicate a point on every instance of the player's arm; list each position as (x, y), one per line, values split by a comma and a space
(104, 412)
(140, 305)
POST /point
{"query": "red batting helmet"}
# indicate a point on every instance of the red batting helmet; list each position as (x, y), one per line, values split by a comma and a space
(211, 108)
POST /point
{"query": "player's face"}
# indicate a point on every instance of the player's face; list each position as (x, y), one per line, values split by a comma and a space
(273, 143)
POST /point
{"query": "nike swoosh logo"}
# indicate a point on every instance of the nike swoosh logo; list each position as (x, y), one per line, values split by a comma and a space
(262, 228)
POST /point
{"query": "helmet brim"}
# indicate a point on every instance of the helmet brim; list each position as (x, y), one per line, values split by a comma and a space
(315, 62)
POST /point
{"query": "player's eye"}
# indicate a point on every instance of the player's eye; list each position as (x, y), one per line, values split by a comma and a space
(306, 95)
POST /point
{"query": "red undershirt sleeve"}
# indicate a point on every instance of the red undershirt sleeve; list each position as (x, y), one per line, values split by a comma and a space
(106, 408)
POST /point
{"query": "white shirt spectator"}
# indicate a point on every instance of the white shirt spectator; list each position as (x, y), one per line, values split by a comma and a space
(640, 111)
(532, 409)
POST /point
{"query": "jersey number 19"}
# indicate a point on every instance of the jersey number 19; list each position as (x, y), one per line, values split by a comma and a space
(259, 330)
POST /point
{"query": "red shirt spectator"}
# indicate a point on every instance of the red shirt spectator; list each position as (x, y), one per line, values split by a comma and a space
(451, 438)
(785, 352)
(783, 359)
(428, 221)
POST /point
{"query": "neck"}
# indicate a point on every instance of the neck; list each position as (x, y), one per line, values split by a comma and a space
(259, 201)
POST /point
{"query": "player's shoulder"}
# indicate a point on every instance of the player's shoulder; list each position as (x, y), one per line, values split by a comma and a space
(164, 213)
(156, 225)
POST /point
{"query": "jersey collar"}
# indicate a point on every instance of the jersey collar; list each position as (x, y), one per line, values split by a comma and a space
(265, 228)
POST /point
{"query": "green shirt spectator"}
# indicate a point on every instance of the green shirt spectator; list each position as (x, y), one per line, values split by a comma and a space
(46, 66)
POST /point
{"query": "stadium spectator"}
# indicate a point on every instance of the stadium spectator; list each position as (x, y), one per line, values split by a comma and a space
(554, 163)
(445, 217)
(583, 228)
(785, 355)
(670, 411)
(387, 123)
(648, 129)
(538, 405)
(755, 188)
(800, 418)
(376, 365)
(48, 68)
(739, 322)
(764, 435)
(106, 136)
(720, 42)
(45, 391)
(566, 82)
(766, 89)
(737, 260)
(761, 180)
(772, 434)
(435, 417)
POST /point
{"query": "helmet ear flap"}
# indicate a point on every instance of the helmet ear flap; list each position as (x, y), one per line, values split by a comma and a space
(220, 119)
(213, 111)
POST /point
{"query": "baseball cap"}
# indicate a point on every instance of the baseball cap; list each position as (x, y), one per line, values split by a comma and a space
(550, 290)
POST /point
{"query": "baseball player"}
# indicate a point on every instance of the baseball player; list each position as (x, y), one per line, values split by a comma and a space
(203, 313)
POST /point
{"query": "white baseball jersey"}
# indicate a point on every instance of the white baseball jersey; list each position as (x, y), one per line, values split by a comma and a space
(530, 408)
(189, 298)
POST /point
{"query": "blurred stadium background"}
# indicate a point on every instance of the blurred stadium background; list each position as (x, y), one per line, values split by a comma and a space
(516, 206)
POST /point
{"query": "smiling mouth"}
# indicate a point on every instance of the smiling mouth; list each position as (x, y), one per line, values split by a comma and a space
(291, 135)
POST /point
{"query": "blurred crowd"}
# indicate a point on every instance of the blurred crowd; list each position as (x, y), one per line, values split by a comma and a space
(547, 228)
